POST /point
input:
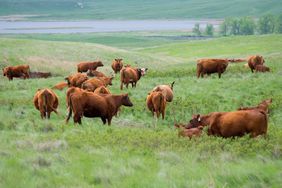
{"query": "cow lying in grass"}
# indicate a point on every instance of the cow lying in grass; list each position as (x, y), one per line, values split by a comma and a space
(262, 68)
(191, 132)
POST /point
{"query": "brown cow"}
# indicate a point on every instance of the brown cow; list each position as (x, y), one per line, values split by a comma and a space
(230, 124)
(167, 91)
(85, 66)
(156, 103)
(76, 79)
(261, 106)
(93, 83)
(70, 91)
(210, 66)
(39, 74)
(46, 101)
(92, 105)
(262, 68)
(92, 73)
(16, 71)
(60, 85)
(102, 90)
(117, 65)
(131, 75)
(192, 132)
(255, 60)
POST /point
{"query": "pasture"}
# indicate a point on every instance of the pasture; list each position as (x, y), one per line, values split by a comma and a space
(138, 150)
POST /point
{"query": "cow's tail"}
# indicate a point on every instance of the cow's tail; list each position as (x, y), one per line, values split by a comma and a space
(47, 98)
(171, 85)
(45, 102)
(69, 108)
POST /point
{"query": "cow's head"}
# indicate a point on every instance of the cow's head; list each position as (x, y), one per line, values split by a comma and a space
(5, 71)
(125, 100)
(100, 64)
(267, 101)
(196, 121)
(142, 71)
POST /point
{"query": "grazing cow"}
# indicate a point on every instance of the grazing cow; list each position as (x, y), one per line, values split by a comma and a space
(95, 73)
(76, 79)
(263, 106)
(230, 124)
(210, 66)
(39, 74)
(85, 66)
(262, 68)
(167, 91)
(117, 65)
(60, 85)
(46, 101)
(255, 60)
(102, 90)
(93, 83)
(92, 105)
(156, 103)
(192, 132)
(131, 75)
(16, 71)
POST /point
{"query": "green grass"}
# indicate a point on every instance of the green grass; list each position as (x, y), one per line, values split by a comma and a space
(137, 150)
(124, 10)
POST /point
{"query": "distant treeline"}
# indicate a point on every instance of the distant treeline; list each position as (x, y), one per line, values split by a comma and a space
(266, 24)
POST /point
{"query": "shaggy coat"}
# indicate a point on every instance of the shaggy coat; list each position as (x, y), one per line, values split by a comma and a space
(167, 91)
(210, 66)
(92, 105)
(16, 71)
(156, 103)
(46, 101)
(76, 79)
(117, 65)
(131, 75)
(85, 66)
(230, 124)
(255, 60)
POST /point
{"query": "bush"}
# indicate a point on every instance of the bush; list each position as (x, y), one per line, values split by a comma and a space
(278, 24)
(196, 30)
(209, 30)
(246, 26)
(266, 24)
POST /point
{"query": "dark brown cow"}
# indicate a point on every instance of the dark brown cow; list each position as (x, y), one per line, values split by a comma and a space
(156, 103)
(210, 66)
(76, 79)
(92, 73)
(102, 90)
(85, 66)
(93, 83)
(60, 85)
(92, 105)
(131, 75)
(117, 65)
(46, 101)
(16, 71)
(262, 68)
(167, 91)
(230, 124)
(39, 74)
(261, 106)
(192, 132)
(255, 60)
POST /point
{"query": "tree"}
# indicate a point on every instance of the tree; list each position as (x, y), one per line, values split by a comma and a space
(197, 30)
(278, 24)
(266, 24)
(246, 26)
(223, 28)
(234, 26)
(209, 30)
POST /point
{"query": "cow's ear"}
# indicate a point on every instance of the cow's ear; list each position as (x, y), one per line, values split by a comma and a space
(116, 59)
(199, 117)
(146, 69)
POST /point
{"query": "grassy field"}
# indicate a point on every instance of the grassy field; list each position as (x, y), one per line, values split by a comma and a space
(138, 150)
(123, 9)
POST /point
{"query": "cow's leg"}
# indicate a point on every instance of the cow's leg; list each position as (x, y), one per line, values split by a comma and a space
(77, 118)
(48, 114)
(163, 113)
(109, 120)
(219, 74)
(42, 114)
(104, 120)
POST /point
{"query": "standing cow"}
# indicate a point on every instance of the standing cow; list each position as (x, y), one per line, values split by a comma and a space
(255, 60)
(85, 66)
(156, 103)
(117, 65)
(210, 66)
(46, 101)
(131, 75)
(167, 91)
(16, 71)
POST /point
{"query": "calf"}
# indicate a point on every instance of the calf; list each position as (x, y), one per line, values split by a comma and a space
(192, 132)
(262, 68)
(210, 66)
(92, 105)
(167, 91)
(230, 124)
(46, 101)
(117, 65)
(16, 71)
(76, 79)
(156, 103)
(131, 75)
(85, 66)
(255, 60)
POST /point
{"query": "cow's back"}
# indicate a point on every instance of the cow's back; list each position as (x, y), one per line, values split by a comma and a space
(166, 90)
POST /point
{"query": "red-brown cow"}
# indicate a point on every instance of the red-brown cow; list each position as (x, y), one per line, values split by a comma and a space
(192, 132)
(230, 124)
(85, 66)
(156, 103)
(255, 60)
(76, 79)
(16, 71)
(210, 66)
(117, 65)
(60, 85)
(262, 68)
(95, 73)
(167, 91)
(102, 90)
(93, 83)
(46, 101)
(131, 75)
(40, 74)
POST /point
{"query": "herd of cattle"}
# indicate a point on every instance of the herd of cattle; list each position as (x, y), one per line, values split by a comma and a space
(88, 96)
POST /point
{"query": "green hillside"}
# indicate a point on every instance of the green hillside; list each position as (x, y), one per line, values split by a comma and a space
(128, 10)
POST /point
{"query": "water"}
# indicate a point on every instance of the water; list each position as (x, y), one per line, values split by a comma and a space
(24, 27)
